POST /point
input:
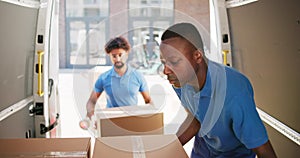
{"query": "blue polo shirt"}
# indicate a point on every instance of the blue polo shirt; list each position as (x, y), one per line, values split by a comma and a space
(121, 90)
(238, 128)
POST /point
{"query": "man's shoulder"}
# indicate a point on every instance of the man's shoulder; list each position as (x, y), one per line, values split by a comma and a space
(135, 72)
(232, 74)
(235, 75)
(106, 74)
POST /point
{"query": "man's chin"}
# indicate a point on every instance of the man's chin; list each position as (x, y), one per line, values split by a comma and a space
(119, 66)
(176, 85)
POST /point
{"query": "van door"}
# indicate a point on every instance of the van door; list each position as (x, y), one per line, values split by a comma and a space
(29, 69)
(264, 39)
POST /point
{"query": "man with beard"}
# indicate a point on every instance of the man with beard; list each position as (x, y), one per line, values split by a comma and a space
(121, 83)
(219, 100)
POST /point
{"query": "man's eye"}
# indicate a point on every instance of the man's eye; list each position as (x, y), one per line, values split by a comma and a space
(174, 63)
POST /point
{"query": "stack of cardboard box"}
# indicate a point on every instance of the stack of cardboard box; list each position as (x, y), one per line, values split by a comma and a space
(127, 132)
(134, 132)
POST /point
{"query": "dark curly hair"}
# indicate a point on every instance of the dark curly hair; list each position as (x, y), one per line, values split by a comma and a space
(117, 43)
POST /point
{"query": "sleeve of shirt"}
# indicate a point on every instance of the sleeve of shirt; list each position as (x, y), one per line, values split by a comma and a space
(143, 83)
(247, 125)
(99, 85)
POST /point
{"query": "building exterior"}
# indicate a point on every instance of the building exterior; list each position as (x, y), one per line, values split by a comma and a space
(86, 25)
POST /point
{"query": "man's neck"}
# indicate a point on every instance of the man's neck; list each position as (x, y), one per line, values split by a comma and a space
(200, 77)
(121, 71)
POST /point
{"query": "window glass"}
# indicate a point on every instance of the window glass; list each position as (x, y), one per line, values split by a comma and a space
(86, 31)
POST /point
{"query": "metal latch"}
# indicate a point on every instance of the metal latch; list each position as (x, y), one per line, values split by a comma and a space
(38, 109)
(45, 129)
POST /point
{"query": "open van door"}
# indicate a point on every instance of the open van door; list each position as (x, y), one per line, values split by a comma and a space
(261, 38)
(29, 105)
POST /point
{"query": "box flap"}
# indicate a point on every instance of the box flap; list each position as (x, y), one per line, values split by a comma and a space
(126, 111)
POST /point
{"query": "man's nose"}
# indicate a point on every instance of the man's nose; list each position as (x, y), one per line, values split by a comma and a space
(167, 70)
(118, 58)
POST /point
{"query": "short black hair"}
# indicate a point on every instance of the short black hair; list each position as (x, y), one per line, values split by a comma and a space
(186, 31)
(117, 43)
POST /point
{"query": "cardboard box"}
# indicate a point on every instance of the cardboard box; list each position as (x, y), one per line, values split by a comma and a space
(144, 146)
(129, 120)
(45, 147)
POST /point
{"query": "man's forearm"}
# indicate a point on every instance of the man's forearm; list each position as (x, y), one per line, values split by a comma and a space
(90, 107)
(265, 151)
(188, 129)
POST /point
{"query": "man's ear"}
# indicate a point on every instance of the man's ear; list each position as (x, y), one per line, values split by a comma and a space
(198, 56)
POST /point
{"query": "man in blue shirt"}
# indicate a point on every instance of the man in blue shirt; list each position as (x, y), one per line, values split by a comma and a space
(218, 99)
(121, 83)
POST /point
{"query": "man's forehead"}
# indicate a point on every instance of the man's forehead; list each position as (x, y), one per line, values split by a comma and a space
(172, 47)
(118, 51)
(171, 54)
